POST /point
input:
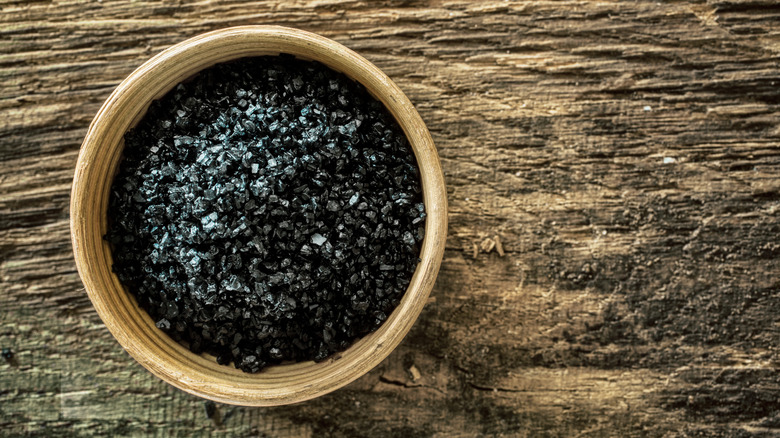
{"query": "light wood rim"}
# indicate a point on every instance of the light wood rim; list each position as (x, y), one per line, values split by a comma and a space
(132, 327)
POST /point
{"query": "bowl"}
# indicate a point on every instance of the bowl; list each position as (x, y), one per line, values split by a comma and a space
(98, 163)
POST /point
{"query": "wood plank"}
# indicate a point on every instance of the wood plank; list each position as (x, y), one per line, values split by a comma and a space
(624, 153)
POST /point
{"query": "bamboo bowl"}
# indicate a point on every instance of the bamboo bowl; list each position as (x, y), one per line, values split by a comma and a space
(98, 162)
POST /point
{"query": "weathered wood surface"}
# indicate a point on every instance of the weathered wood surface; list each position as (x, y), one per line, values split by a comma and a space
(625, 154)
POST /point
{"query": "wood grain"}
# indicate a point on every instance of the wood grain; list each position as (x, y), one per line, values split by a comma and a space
(625, 154)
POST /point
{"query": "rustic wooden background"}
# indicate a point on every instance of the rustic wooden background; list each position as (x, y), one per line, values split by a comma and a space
(612, 263)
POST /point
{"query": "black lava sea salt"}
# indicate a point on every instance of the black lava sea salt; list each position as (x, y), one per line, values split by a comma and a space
(267, 210)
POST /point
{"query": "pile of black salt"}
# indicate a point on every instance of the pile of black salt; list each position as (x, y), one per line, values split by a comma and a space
(267, 210)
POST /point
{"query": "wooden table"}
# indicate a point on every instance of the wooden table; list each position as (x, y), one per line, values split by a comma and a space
(623, 155)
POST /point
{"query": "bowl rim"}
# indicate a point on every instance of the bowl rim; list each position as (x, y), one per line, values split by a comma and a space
(133, 328)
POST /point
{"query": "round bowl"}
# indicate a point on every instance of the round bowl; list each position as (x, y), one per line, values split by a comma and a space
(97, 165)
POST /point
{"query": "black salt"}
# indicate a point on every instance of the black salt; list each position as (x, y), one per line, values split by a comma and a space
(267, 210)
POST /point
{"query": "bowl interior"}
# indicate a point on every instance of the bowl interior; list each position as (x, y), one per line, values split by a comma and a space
(133, 328)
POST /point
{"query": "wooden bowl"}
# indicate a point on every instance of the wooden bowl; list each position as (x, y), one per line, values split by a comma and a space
(133, 328)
